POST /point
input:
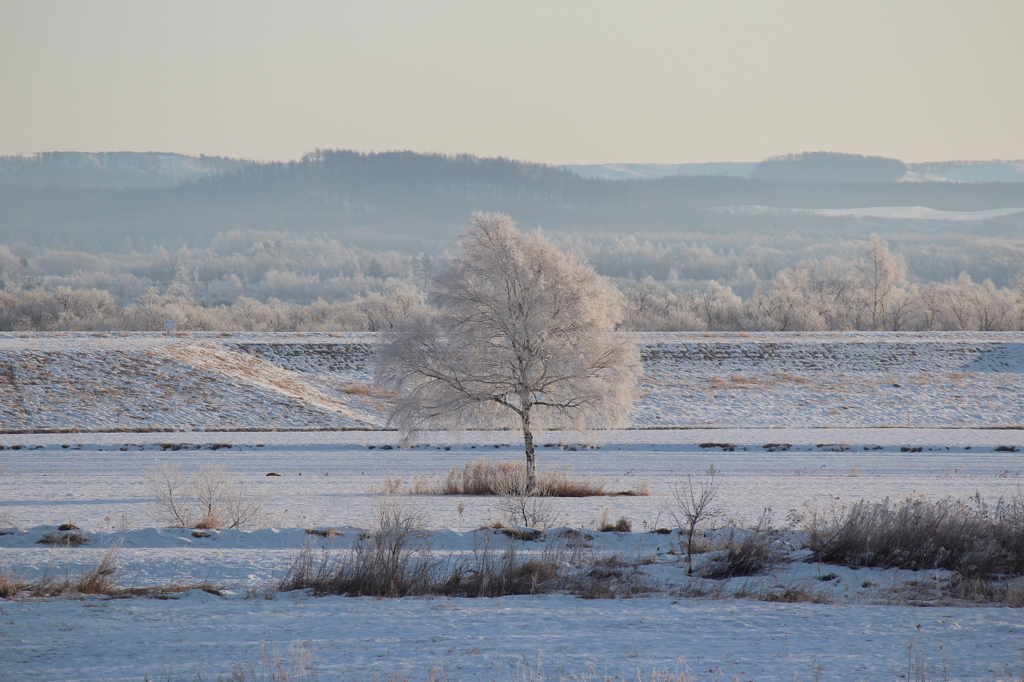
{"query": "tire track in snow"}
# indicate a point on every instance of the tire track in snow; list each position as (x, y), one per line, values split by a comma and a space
(250, 369)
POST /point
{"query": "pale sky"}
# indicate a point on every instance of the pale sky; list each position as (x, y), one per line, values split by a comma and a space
(556, 82)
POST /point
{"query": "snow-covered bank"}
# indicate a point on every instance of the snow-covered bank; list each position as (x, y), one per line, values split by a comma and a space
(247, 381)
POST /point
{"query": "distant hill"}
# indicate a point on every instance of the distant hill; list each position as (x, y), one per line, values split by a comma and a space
(966, 171)
(942, 171)
(418, 202)
(648, 171)
(111, 169)
(830, 167)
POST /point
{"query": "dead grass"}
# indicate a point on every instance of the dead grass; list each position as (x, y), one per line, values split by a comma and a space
(795, 594)
(394, 560)
(325, 532)
(753, 553)
(69, 539)
(98, 579)
(485, 477)
(968, 538)
(606, 525)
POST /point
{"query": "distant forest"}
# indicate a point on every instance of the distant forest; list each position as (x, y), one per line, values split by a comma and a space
(342, 239)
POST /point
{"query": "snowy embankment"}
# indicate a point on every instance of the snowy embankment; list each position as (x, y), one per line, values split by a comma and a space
(238, 382)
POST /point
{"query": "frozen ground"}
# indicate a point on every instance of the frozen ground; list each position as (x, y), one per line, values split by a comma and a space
(866, 631)
(99, 486)
(329, 478)
(200, 636)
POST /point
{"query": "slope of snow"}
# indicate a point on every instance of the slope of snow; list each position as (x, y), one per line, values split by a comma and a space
(231, 382)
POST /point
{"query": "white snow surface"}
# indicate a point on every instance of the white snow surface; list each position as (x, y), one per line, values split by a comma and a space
(864, 633)
(885, 212)
(789, 422)
(245, 382)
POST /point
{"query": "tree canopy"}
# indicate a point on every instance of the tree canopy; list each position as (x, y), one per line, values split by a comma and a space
(520, 335)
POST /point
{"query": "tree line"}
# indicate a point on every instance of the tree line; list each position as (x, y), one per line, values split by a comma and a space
(249, 281)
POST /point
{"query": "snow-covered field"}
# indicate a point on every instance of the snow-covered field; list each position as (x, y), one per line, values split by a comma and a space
(769, 399)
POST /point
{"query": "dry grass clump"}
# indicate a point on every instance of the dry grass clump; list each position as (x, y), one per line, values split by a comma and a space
(394, 560)
(98, 579)
(357, 389)
(755, 552)
(67, 539)
(606, 525)
(485, 477)
(970, 539)
(391, 561)
(497, 574)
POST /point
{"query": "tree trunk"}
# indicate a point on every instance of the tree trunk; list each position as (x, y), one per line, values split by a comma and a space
(531, 460)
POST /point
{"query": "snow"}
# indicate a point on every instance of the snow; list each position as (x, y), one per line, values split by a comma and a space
(511, 638)
(797, 458)
(887, 212)
(916, 213)
(250, 382)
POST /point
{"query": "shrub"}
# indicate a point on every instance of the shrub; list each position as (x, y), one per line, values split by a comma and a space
(758, 550)
(206, 499)
(393, 560)
(521, 508)
(917, 534)
(695, 505)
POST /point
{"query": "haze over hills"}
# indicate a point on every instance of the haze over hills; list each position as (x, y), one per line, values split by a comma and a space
(418, 202)
(111, 169)
(158, 169)
(338, 238)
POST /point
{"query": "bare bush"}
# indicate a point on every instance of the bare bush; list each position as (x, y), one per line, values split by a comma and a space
(393, 560)
(206, 499)
(695, 506)
(522, 508)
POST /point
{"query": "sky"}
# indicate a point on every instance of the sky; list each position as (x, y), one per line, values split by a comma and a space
(562, 82)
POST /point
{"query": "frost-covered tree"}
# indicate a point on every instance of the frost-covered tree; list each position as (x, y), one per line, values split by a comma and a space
(520, 336)
(882, 273)
(382, 310)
